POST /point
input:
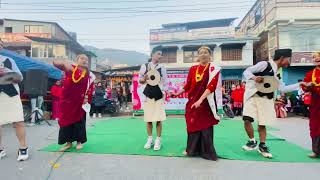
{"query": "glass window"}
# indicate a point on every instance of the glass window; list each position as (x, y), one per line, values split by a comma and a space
(301, 38)
(190, 56)
(257, 15)
(50, 51)
(8, 29)
(33, 29)
(231, 54)
(169, 56)
(35, 52)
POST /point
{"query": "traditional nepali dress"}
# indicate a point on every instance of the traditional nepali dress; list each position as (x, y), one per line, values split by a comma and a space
(72, 118)
(11, 110)
(56, 95)
(200, 121)
(314, 108)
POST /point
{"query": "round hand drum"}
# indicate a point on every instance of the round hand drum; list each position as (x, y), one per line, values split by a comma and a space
(154, 78)
(270, 84)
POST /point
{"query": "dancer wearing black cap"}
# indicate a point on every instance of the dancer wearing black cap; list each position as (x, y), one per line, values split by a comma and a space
(260, 106)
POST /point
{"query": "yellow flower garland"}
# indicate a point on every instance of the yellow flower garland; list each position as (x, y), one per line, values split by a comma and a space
(83, 74)
(199, 77)
(314, 78)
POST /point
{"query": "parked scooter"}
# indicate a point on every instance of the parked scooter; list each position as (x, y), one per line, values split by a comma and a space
(227, 107)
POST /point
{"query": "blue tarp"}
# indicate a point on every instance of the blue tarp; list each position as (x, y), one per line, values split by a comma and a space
(25, 63)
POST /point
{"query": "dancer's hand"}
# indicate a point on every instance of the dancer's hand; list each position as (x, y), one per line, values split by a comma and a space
(306, 84)
(145, 77)
(258, 79)
(85, 101)
(196, 104)
(3, 71)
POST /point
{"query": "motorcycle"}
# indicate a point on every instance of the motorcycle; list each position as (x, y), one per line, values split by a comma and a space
(227, 108)
(112, 106)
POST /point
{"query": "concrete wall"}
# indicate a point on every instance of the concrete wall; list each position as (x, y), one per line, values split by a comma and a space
(273, 10)
(291, 75)
(18, 26)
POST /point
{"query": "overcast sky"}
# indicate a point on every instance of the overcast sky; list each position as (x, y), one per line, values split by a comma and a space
(121, 24)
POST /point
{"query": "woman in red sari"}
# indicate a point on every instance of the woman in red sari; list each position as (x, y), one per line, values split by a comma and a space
(201, 109)
(313, 77)
(56, 91)
(77, 92)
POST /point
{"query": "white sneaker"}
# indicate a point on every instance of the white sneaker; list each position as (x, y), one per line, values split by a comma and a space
(23, 154)
(2, 154)
(264, 151)
(149, 143)
(99, 115)
(94, 115)
(157, 145)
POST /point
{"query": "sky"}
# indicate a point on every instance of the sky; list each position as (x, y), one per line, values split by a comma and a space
(121, 24)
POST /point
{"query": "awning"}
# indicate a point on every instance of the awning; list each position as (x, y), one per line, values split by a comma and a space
(232, 45)
(232, 74)
(25, 63)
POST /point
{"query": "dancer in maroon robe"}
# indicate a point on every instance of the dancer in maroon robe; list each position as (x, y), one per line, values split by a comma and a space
(201, 110)
(313, 77)
(77, 91)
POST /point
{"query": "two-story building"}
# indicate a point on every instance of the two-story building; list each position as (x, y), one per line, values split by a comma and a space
(41, 40)
(291, 24)
(181, 41)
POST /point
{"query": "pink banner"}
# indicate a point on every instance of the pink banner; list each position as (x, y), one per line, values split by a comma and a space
(176, 81)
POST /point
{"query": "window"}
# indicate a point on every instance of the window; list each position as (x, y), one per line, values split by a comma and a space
(257, 15)
(8, 29)
(301, 38)
(169, 55)
(33, 29)
(231, 54)
(35, 52)
(190, 53)
(190, 56)
(42, 50)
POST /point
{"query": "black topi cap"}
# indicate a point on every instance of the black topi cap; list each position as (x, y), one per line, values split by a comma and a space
(282, 53)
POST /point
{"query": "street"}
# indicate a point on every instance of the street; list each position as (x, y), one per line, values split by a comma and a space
(96, 166)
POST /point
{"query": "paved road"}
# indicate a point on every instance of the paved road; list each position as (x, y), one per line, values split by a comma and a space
(118, 167)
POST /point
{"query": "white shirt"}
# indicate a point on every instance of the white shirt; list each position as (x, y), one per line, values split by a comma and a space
(143, 70)
(260, 67)
(14, 68)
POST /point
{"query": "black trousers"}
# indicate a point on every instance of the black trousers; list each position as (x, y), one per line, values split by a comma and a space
(201, 144)
(73, 133)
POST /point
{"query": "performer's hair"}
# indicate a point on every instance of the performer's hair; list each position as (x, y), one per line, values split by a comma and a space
(316, 54)
(205, 47)
(80, 55)
(155, 49)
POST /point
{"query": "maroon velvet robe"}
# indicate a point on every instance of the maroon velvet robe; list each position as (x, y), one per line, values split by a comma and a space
(72, 98)
(200, 118)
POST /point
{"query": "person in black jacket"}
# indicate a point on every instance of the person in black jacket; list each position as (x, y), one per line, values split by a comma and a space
(98, 100)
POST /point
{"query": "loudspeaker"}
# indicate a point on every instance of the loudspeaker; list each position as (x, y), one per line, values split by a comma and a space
(36, 82)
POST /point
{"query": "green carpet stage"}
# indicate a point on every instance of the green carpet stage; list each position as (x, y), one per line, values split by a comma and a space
(127, 136)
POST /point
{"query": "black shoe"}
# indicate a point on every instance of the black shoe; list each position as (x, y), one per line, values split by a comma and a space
(264, 151)
(250, 146)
